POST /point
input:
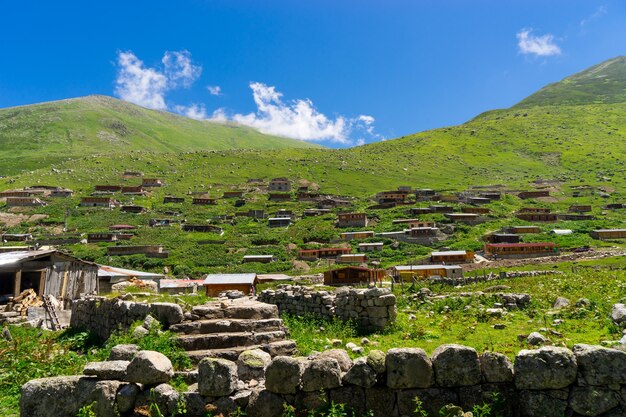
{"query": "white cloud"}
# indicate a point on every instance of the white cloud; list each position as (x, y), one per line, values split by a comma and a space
(600, 11)
(147, 86)
(214, 90)
(536, 45)
(193, 111)
(219, 115)
(298, 119)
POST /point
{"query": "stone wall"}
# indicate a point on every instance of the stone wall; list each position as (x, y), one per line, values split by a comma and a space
(491, 277)
(103, 316)
(547, 382)
(372, 308)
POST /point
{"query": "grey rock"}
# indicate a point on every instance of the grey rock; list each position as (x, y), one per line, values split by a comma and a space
(167, 313)
(376, 360)
(546, 368)
(216, 377)
(560, 302)
(166, 398)
(104, 397)
(57, 396)
(225, 406)
(195, 404)
(550, 403)
(251, 364)
(456, 366)
(125, 397)
(311, 400)
(618, 313)
(265, 404)
(381, 401)
(496, 367)
(140, 332)
(352, 396)
(150, 322)
(150, 368)
(283, 375)
(536, 339)
(433, 399)
(600, 366)
(123, 352)
(408, 368)
(241, 398)
(340, 356)
(321, 373)
(107, 370)
(593, 401)
(360, 374)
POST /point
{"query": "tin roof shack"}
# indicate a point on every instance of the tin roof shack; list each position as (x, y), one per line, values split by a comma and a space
(356, 235)
(561, 232)
(173, 199)
(476, 210)
(133, 209)
(46, 272)
(315, 212)
(352, 258)
(107, 202)
(179, 286)
(206, 228)
(214, 284)
(420, 210)
(109, 275)
(351, 220)
(284, 213)
(396, 196)
(101, 237)
(24, 202)
(580, 209)
(333, 202)
(371, 247)
(351, 275)
(491, 195)
(452, 256)
(534, 216)
(501, 238)
(279, 197)
(16, 237)
(280, 184)
(278, 222)
(521, 250)
(478, 200)
(232, 194)
(151, 251)
(61, 193)
(314, 254)
(525, 195)
(407, 273)
(264, 278)
(441, 209)
(608, 234)
(520, 230)
(264, 259)
(108, 188)
(465, 218)
(204, 201)
(576, 217)
(133, 190)
(151, 182)
(122, 227)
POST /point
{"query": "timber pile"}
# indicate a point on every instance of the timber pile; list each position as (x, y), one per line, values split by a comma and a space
(20, 304)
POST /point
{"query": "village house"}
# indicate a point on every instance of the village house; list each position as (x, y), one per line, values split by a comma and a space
(122, 227)
(278, 222)
(160, 222)
(257, 214)
(265, 278)
(110, 275)
(214, 284)
(101, 237)
(284, 213)
(46, 272)
(351, 275)
(56, 240)
(614, 206)
(426, 194)
(537, 216)
(449, 198)
(206, 228)
(61, 193)
(491, 195)
(132, 174)
(407, 273)
(16, 237)
(523, 229)
(396, 196)
(465, 218)
(371, 247)
(356, 235)
(307, 196)
(264, 259)
(24, 202)
(15, 193)
(173, 199)
(204, 201)
(107, 202)
(314, 254)
(151, 251)
(579, 209)
(333, 202)
(5, 249)
(475, 210)
(534, 210)
(151, 182)
(452, 257)
(478, 200)
(418, 235)
(232, 194)
(108, 188)
(351, 220)
(177, 286)
(315, 212)
(441, 209)
(132, 209)
(501, 238)
(420, 210)
(524, 195)
(352, 258)
(280, 184)
(279, 197)
(607, 234)
(576, 217)
(133, 190)
(521, 250)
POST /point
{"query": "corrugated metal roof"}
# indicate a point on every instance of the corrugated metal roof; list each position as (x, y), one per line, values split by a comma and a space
(180, 283)
(274, 277)
(219, 279)
(258, 256)
(449, 253)
(112, 272)
(610, 230)
(423, 267)
(562, 232)
(521, 245)
(13, 258)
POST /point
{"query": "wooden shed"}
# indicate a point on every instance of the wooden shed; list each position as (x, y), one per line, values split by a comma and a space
(353, 275)
(46, 272)
(216, 283)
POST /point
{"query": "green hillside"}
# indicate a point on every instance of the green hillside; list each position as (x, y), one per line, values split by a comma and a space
(42, 134)
(602, 83)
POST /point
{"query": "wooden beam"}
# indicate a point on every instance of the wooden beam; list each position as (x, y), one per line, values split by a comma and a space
(17, 283)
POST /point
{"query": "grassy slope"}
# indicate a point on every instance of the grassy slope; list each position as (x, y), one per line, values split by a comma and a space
(42, 134)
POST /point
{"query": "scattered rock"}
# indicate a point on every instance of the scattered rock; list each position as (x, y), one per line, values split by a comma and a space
(149, 367)
(560, 302)
(115, 370)
(618, 313)
(125, 397)
(360, 374)
(536, 339)
(216, 377)
(283, 375)
(547, 368)
(340, 356)
(496, 367)
(251, 364)
(321, 373)
(456, 366)
(123, 352)
(140, 332)
(408, 368)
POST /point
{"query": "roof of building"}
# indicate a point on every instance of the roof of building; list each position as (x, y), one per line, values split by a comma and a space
(372, 244)
(423, 267)
(610, 230)
(258, 256)
(105, 271)
(219, 279)
(449, 253)
(527, 245)
(14, 258)
(274, 277)
(349, 255)
(562, 232)
(357, 232)
(179, 283)
(279, 218)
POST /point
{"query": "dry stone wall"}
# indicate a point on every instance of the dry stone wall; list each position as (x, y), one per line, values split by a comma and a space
(103, 316)
(372, 308)
(547, 382)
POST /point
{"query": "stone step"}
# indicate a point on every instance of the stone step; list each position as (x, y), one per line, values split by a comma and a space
(227, 326)
(279, 348)
(252, 311)
(228, 340)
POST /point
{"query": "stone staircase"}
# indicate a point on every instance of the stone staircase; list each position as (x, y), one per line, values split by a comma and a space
(224, 329)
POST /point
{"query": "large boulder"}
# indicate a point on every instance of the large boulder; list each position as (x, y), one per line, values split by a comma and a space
(456, 366)
(340, 356)
(265, 404)
(57, 396)
(321, 373)
(216, 377)
(496, 367)
(149, 368)
(600, 366)
(283, 375)
(408, 368)
(546, 368)
(107, 369)
(548, 403)
(618, 313)
(593, 401)
(167, 313)
(251, 364)
(360, 374)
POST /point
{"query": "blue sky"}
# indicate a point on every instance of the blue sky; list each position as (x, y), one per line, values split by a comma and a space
(349, 71)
